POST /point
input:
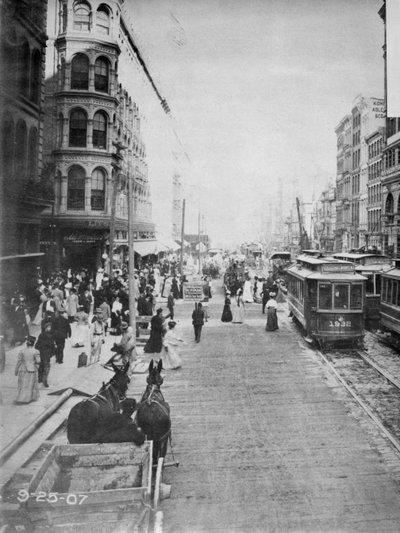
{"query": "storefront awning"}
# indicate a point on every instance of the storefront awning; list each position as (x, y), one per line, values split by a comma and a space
(21, 256)
(171, 245)
(144, 248)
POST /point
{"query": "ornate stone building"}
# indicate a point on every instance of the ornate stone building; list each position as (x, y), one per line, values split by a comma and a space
(25, 189)
(390, 173)
(352, 171)
(92, 136)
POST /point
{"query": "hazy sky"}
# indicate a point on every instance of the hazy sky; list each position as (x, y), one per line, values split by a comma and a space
(256, 88)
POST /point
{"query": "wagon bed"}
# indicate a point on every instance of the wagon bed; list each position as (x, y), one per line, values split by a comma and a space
(100, 488)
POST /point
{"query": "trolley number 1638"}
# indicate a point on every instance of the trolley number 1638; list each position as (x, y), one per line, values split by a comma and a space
(51, 497)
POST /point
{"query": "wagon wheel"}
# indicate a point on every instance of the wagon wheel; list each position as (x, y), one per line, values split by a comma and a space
(157, 484)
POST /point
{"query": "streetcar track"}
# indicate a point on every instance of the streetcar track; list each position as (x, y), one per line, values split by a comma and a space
(369, 396)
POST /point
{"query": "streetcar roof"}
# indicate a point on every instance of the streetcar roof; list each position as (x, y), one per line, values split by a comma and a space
(280, 255)
(373, 268)
(393, 273)
(331, 275)
(337, 276)
(366, 258)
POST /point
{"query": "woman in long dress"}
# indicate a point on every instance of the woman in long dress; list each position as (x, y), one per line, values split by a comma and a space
(227, 313)
(247, 292)
(27, 371)
(238, 315)
(171, 358)
(272, 318)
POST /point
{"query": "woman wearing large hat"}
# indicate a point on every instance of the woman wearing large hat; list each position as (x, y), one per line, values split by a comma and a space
(171, 358)
(27, 371)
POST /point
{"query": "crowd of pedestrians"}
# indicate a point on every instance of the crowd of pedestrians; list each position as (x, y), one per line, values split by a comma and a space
(262, 290)
(75, 304)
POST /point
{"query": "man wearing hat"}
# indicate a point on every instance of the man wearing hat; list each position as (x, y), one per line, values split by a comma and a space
(27, 371)
(61, 331)
(127, 345)
(97, 334)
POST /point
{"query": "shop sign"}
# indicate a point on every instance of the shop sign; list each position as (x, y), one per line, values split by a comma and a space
(193, 291)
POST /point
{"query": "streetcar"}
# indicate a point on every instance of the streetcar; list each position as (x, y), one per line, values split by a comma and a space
(372, 266)
(390, 303)
(327, 297)
(279, 262)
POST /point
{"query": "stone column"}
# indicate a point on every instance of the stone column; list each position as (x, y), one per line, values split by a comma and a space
(63, 193)
(87, 194)
(89, 135)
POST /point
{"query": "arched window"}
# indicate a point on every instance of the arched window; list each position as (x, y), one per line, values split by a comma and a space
(63, 16)
(76, 188)
(103, 19)
(100, 130)
(35, 76)
(77, 128)
(389, 204)
(101, 74)
(7, 144)
(33, 153)
(97, 197)
(81, 16)
(23, 69)
(80, 72)
(20, 149)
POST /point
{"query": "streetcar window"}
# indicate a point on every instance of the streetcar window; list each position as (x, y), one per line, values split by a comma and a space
(398, 298)
(378, 280)
(325, 296)
(394, 292)
(370, 285)
(389, 291)
(356, 296)
(341, 292)
(384, 290)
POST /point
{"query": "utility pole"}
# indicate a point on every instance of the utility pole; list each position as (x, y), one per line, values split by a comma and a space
(117, 167)
(182, 235)
(199, 245)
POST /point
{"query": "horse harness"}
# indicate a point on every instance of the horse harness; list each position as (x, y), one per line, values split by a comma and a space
(149, 400)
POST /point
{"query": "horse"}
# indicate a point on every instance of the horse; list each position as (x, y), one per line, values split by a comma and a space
(153, 412)
(97, 419)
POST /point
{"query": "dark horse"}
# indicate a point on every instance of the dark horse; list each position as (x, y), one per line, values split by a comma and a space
(153, 413)
(98, 419)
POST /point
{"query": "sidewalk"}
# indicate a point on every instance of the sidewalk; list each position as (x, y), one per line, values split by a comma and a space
(14, 418)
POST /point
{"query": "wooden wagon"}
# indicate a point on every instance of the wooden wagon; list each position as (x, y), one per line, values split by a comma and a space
(100, 488)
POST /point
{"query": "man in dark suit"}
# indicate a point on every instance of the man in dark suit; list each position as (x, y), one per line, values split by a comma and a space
(61, 331)
(198, 321)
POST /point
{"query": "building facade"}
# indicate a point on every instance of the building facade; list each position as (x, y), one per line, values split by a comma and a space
(343, 180)
(374, 235)
(326, 219)
(352, 171)
(26, 188)
(92, 138)
(390, 172)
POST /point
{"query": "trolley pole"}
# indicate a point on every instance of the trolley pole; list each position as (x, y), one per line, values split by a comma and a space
(182, 235)
(131, 247)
